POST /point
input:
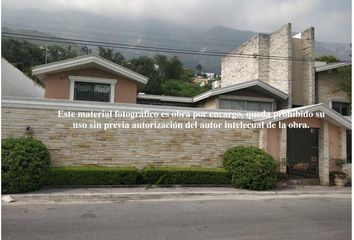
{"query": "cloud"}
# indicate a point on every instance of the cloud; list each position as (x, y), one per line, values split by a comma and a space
(331, 19)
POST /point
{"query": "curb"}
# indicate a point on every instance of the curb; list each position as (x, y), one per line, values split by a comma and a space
(141, 196)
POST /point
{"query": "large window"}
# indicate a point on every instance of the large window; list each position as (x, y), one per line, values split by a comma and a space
(341, 107)
(245, 105)
(92, 89)
(87, 91)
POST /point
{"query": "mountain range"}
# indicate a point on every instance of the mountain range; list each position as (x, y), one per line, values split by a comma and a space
(144, 32)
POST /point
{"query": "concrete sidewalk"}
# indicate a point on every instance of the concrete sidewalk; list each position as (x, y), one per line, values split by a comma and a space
(121, 194)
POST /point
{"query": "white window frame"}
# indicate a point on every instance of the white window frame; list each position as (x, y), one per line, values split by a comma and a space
(74, 79)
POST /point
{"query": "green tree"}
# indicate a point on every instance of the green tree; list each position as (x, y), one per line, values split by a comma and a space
(23, 55)
(187, 75)
(111, 55)
(327, 59)
(146, 66)
(175, 68)
(345, 82)
(182, 88)
(58, 53)
(162, 64)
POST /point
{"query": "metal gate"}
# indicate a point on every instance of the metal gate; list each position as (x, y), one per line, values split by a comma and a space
(302, 151)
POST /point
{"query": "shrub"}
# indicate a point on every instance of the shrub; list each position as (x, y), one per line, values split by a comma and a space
(251, 167)
(25, 162)
(184, 175)
(92, 175)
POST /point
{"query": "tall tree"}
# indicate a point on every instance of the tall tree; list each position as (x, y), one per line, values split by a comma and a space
(146, 66)
(175, 68)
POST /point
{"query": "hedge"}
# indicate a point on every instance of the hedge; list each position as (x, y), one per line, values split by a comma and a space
(25, 162)
(252, 168)
(92, 175)
(184, 175)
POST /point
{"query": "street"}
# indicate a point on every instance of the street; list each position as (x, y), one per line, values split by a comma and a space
(279, 218)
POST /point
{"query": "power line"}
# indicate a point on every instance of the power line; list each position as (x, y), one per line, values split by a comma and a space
(145, 47)
(100, 27)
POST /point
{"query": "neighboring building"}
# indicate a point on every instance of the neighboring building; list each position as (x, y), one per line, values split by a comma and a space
(16, 83)
(327, 90)
(90, 78)
(200, 80)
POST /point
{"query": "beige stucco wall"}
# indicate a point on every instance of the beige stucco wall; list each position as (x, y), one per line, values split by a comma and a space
(297, 76)
(57, 85)
(327, 88)
(212, 103)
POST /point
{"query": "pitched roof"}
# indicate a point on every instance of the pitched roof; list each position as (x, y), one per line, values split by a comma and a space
(331, 115)
(332, 66)
(88, 60)
(254, 84)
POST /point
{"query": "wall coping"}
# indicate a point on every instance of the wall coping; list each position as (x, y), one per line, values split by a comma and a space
(55, 104)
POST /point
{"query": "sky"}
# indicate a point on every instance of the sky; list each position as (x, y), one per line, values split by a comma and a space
(331, 18)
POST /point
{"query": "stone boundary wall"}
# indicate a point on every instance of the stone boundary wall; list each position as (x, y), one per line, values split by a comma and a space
(119, 147)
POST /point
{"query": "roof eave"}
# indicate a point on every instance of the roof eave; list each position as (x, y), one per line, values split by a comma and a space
(120, 70)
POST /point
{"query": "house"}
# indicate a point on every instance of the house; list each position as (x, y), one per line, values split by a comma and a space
(16, 83)
(90, 78)
(270, 73)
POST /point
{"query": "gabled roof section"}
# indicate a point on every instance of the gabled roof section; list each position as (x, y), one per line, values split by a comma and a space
(330, 115)
(257, 84)
(88, 60)
(331, 66)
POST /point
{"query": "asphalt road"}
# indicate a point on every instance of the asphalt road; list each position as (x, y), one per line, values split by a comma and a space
(294, 218)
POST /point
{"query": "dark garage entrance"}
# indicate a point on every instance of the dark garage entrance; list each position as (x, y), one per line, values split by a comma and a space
(302, 151)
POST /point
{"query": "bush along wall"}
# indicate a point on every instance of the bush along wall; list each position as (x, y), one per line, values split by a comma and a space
(251, 168)
(184, 175)
(25, 162)
(91, 175)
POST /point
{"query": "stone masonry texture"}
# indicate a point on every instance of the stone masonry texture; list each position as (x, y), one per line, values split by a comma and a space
(269, 58)
(124, 147)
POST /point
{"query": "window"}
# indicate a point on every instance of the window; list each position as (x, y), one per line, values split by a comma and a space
(92, 89)
(245, 105)
(342, 107)
(87, 91)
